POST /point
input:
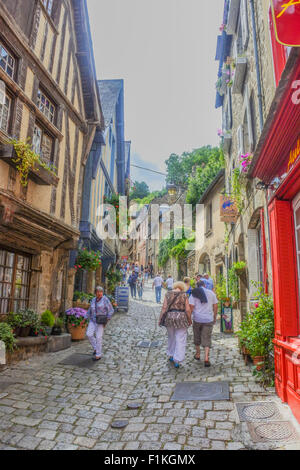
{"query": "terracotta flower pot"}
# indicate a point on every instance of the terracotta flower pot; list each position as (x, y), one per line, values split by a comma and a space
(258, 361)
(77, 333)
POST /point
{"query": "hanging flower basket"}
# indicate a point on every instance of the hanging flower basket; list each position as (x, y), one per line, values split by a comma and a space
(88, 260)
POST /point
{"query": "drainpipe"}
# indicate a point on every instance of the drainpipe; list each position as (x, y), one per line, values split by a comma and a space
(259, 88)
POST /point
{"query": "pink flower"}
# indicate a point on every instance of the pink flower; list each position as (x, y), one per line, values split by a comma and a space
(256, 305)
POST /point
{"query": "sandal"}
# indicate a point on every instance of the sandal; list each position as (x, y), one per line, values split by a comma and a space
(171, 359)
(207, 364)
(95, 358)
(176, 365)
(197, 358)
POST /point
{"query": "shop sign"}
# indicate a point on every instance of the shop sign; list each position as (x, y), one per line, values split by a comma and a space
(294, 155)
(228, 210)
(286, 15)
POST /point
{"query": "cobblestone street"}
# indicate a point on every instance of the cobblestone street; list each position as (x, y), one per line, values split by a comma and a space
(49, 405)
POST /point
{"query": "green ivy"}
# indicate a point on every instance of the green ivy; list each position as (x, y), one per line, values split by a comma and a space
(173, 247)
(233, 284)
(238, 189)
(6, 335)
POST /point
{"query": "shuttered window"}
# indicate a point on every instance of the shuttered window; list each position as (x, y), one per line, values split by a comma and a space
(5, 111)
(7, 61)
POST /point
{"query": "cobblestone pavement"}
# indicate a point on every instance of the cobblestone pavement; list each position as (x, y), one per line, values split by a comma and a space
(55, 406)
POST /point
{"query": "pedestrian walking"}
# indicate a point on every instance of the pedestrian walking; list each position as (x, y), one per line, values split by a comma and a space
(151, 270)
(146, 274)
(140, 285)
(132, 283)
(169, 282)
(208, 282)
(204, 307)
(188, 287)
(99, 314)
(157, 284)
(176, 317)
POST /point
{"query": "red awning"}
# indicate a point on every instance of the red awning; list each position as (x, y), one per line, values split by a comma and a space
(282, 127)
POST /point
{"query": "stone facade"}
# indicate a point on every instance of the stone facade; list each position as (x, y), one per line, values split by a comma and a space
(51, 90)
(242, 125)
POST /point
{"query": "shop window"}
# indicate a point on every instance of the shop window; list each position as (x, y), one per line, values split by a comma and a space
(14, 281)
(7, 61)
(42, 144)
(46, 106)
(5, 111)
(297, 230)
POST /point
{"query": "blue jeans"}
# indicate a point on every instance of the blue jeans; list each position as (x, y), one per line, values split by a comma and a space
(158, 294)
(140, 292)
(133, 290)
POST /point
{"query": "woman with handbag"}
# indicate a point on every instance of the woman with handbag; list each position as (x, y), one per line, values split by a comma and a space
(99, 314)
(176, 317)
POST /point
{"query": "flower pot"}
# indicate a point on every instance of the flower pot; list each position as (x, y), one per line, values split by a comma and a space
(258, 361)
(48, 330)
(16, 331)
(24, 331)
(56, 331)
(77, 332)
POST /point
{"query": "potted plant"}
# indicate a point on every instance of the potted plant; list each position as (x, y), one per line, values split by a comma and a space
(77, 322)
(47, 321)
(15, 322)
(240, 268)
(58, 326)
(7, 336)
(88, 260)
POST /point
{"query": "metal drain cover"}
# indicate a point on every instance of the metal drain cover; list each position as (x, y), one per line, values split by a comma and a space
(80, 360)
(201, 391)
(258, 411)
(272, 431)
(148, 344)
(134, 406)
(119, 424)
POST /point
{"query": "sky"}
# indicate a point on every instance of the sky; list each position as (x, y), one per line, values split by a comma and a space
(165, 52)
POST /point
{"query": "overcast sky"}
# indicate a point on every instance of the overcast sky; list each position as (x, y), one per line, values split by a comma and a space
(164, 50)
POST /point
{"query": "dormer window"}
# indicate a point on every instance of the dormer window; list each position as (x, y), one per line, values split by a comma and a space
(48, 4)
(7, 62)
(46, 106)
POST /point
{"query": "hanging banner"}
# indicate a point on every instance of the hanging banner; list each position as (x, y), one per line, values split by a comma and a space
(228, 210)
(286, 16)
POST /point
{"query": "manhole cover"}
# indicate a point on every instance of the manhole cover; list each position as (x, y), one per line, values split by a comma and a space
(119, 424)
(79, 360)
(272, 431)
(198, 391)
(134, 406)
(258, 411)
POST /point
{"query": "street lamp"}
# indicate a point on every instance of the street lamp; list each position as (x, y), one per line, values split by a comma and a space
(172, 189)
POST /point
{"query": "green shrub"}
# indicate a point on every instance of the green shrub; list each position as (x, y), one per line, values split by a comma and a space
(6, 335)
(47, 318)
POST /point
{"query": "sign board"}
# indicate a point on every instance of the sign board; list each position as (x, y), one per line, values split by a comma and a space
(286, 16)
(228, 210)
(226, 320)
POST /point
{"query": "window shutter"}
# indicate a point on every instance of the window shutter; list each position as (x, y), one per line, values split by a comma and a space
(253, 261)
(285, 285)
(244, 22)
(240, 138)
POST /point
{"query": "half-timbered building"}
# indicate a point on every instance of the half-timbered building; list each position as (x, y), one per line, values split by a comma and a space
(49, 96)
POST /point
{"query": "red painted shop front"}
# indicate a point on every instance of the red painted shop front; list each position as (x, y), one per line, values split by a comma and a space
(277, 164)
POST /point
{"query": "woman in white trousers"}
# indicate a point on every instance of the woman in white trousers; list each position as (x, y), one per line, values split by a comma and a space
(176, 317)
(100, 306)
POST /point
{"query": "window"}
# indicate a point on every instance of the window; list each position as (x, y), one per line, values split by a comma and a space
(260, 255)
(209, 217)
(14, 281)
(48, 4)
(7, 62)
(42, 144)
(46, 106)
(297, 230)
(5, 109)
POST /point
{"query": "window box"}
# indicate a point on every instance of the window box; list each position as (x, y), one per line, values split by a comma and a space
(239, 75)
(39, 175)
(232, 16)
